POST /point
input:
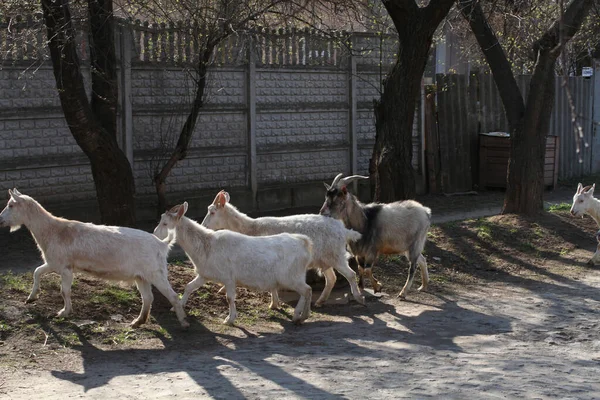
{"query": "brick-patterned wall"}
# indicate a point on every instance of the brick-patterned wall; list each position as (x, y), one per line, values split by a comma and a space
(302, 132)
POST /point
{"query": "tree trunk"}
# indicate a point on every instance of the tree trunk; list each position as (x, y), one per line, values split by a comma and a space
(529, 123)
(391, 162)
(525, 183)
(185, 136)
(113, 177)
(525, 186)
(394, 117)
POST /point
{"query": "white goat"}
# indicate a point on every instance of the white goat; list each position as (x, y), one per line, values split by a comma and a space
(584, 202)
(108, 252)
(230, 258)
(329, 238)
(395, 228)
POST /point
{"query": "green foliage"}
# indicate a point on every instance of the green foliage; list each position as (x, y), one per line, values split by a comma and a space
(115, 295)
(559, 207)
(17, 282)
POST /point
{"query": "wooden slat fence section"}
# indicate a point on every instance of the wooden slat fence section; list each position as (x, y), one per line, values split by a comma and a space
(492, 119)
(562, 126)
(454, 135)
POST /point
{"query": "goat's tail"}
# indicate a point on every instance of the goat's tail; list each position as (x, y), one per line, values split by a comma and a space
(352, 236)
(428, 212)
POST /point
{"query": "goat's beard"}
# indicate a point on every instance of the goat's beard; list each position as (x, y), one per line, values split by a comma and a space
(14, 228)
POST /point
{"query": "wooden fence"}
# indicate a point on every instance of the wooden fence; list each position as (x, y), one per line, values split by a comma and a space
(461, 107)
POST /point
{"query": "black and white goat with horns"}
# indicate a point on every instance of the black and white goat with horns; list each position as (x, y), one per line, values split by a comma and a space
(395, 228)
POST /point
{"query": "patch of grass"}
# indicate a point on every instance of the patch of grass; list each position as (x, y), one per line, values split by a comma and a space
(115, 295)
(70, 339)
(526, 247)
(559, 207)
(438, 278)
(179, 262)
(127, 336)
(16, 282)
(484, 231)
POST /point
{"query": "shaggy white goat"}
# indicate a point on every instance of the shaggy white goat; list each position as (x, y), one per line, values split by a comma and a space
(584, 202)
(329, 238)
(230, 258)
(108, 252)
(395, 228)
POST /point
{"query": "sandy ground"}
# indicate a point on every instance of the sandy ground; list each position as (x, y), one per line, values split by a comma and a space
(526, 337)
(518, 339)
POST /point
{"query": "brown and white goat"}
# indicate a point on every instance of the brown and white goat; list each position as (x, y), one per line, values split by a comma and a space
(395, 228)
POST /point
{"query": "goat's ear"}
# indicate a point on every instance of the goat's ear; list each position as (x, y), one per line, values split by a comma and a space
(326, 186)
(344, 189)
(579, 187)
(220, 200)
(182, 209)
(14, 194)
(226, 196)
(216, 200)
(591, 190)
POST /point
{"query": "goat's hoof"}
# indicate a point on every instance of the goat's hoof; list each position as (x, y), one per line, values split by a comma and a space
(228, 321)
(401, 296)
(185, 324)
(62, 314)
(591, 263)
(30, 300)
(136, 323)
(422, 288)
(298, 321)
(318, 304)
(361, 300)
(377, 289)
(274, 306)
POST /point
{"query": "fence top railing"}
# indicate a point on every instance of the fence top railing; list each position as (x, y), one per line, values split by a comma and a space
(23, 38)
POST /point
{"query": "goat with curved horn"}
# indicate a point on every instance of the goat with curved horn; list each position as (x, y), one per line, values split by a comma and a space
(395, 228)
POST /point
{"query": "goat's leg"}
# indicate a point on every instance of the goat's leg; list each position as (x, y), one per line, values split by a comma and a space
(163, 286)
(65, 290)
(595, 260)
(422, 261)
(414, 259)
(37, 274)
(368, 271)
(361, 271)
(347, 272)
(191, 287)
(330, 279)
(274, 300)
(302, 310)
(145, 289)
(230, 288)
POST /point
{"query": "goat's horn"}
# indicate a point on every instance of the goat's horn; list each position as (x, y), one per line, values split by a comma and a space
(336, 180)
(352, 178)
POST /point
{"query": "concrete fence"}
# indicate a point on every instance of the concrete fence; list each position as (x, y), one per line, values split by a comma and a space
(285, 110)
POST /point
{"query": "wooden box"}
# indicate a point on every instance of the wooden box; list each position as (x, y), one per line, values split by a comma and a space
(493, 161)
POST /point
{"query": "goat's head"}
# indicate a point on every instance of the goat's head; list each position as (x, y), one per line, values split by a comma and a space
(216, 217)
(169, 220)
(15, 213)
(582, 200)
(337, 196)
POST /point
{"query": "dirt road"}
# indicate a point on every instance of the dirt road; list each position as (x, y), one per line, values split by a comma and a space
(517, 339)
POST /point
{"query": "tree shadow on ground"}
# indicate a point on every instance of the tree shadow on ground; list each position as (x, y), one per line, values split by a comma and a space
(202, 354)
(474, 260)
